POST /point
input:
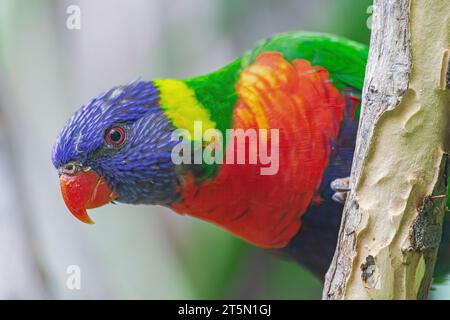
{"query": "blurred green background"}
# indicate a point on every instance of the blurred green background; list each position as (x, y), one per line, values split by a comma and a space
(47, 71)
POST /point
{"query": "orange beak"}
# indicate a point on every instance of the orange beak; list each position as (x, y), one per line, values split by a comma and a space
(85, 190)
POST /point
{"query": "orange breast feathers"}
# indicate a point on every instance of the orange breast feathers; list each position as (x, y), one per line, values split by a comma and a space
(300, 102)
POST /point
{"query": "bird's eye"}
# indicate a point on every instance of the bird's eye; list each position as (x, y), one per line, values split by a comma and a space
(115, 136)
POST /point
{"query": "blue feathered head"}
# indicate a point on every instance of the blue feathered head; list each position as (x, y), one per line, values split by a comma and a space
(117, 147)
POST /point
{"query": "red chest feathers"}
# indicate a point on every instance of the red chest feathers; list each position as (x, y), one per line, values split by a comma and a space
(298, 101)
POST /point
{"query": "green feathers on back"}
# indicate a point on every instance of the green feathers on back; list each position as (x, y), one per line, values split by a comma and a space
(216, 92)
(344, 59)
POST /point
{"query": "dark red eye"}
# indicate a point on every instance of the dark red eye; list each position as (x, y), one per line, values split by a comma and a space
(115, 136)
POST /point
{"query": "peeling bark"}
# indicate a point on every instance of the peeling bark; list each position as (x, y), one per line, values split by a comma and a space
(392, 220)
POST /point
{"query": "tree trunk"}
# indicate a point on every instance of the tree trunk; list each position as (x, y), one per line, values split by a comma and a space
(392, 220)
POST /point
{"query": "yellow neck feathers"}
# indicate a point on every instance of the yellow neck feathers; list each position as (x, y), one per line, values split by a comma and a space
(180, 105)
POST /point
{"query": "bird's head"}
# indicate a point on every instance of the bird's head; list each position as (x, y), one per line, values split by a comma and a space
(117, 147)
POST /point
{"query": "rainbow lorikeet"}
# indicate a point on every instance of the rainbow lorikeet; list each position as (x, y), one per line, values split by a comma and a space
(119, 146)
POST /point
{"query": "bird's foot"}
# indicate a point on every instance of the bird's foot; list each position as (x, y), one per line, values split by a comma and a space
(341, 188)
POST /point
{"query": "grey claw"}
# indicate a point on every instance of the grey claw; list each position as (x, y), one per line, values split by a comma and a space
(340, 185)
(341, 188)
(339, 197)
